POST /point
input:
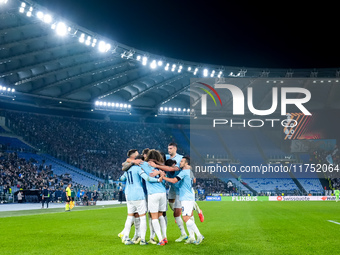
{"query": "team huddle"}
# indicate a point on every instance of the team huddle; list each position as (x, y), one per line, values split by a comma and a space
(145, 176)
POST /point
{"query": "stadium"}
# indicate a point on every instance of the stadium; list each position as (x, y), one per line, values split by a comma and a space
(73, 103)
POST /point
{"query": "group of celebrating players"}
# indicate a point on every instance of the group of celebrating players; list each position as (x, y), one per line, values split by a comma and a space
(145, 176)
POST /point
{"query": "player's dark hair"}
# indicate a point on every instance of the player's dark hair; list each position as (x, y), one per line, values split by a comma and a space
(163, 155)
(130, 152)
(187, 159)
(140, 157)
(145, 151)
(155, 155)
(173, 144)
(170, 162)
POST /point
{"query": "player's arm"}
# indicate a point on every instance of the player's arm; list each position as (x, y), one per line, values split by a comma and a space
(163, 167)
(130, 162)
(126, 166)
(148, 178)
(123, 178)
(171, 180)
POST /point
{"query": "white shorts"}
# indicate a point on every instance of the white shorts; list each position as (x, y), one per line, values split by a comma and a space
(137, 206)
(187, 207)
(157, 202)
(172, 193)
(178, 203)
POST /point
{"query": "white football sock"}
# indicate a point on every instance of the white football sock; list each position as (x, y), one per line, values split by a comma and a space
(171, 205)
(193, 227)
(152, 231)
(163, 225)
(180, 225)
(128, 224)
(196, 207)
(137, 227)
(157, 229)
(142, 227)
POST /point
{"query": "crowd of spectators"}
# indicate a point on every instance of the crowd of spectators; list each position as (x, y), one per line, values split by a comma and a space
(96, 146)
(26, 174)
(324, 157)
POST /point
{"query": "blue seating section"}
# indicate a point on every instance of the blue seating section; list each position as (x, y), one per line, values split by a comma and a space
(13, 142)
(59, 168)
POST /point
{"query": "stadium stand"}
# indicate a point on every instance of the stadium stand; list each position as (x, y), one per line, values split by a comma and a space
(97, 147)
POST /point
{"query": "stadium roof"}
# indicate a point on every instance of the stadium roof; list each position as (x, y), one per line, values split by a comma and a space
(52, 62)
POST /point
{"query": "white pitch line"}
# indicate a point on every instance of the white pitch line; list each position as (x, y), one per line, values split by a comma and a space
(334, 222)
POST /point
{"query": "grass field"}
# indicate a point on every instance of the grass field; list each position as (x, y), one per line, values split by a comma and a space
(229, 228)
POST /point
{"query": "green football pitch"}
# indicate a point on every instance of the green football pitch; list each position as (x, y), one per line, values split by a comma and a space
(229, 228)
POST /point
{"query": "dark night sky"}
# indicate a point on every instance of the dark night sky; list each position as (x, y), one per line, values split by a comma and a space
(254, 34)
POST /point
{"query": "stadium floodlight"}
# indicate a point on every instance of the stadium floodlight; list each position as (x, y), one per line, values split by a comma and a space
(88, 40)
(100, 103)
(96, 103)
(153, 64)
(21, 9)
(3, 1)
(129, 106)
(13, 90)
(94, 41)
(170, 109)
(205, 72)
(61, 29)
(103, 46)
(188, 110)
(167, 67)
(138, 57)
(104, 103)
(212, 73)
(47, 18)
(160, 62)
(189, 68)
(161, 108)
(165, 109)
(179, 109)
(82, 38)
(125, 106)
(23, 5)
(117, 104)
(109, 104)
(29, 14)
(184, 110)
(175, 109)
(144, 60)
(40, 15)
(4, 88)
(0, 87)
(121, 105)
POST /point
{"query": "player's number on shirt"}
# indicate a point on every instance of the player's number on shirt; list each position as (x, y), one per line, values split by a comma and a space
(129, 177)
